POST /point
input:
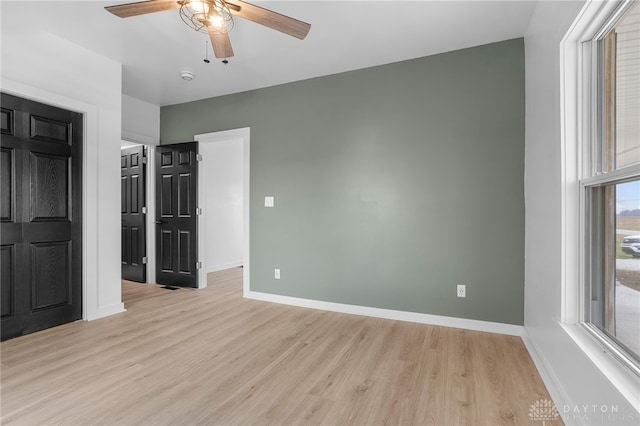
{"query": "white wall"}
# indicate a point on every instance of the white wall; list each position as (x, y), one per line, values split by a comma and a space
(223, 163)
(51, 70)
(140, 121)
(570, 375)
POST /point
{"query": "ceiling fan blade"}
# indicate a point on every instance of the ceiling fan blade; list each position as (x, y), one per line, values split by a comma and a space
(142, 7)
(221, 44)
(269, 18)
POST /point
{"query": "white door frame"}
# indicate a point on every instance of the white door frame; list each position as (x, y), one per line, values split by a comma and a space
(244, 134)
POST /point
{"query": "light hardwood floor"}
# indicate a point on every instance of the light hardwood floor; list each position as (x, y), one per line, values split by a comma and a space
(210, 357)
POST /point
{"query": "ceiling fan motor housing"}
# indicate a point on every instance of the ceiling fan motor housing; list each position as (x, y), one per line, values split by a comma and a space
(206, 15)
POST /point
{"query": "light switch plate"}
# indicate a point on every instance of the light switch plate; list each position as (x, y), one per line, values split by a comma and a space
(268, 201)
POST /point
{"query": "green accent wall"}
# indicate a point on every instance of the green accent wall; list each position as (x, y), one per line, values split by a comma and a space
(392, 184)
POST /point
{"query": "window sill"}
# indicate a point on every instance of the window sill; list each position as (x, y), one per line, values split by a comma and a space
(621, 376)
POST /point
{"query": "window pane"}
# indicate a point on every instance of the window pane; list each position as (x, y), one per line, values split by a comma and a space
(621, 121)
(627, 289)
(615, 263)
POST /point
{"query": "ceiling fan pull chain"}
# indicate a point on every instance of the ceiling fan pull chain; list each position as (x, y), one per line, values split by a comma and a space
(206, 51)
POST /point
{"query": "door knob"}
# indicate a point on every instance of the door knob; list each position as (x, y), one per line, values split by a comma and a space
(159, 222)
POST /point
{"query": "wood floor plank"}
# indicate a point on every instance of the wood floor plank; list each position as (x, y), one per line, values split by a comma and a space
(209, 356)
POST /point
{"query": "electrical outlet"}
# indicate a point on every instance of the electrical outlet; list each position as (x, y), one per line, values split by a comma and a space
(462, 290)
(276, 274)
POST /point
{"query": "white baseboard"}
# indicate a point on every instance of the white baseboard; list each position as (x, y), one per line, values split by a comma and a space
(469, 324)
(223, 266)
(559, 397)
(106, 311)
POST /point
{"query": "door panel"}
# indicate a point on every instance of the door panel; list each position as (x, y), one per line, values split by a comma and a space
(7, 277)
(135, 184)
(51, 274)
(176, 205)
(49, 130)
(166, 202)
(134, 237)
(166, 250)
(49, 187)
(41, 221)
(6, 121)
(184, 255)
(7, 193)
(184, 202)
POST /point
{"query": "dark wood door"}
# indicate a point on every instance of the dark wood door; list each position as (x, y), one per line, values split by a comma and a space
(41, 222)
(133, 165)
(176, 214)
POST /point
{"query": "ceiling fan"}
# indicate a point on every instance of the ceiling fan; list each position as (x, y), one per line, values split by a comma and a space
(215, 17)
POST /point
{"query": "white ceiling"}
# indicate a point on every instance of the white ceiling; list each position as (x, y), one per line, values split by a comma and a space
(345, 35)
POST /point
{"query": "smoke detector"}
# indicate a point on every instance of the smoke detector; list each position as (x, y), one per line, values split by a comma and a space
(186, 75)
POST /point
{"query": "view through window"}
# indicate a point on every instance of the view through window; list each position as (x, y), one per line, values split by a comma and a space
(612, 192)
(627, 275)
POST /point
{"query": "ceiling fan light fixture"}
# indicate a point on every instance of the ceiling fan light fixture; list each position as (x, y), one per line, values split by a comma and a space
(206, 15)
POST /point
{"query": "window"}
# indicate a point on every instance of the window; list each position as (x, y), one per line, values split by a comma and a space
(610, 186)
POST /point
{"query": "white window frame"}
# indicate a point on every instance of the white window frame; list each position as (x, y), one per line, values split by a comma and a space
(578, 98)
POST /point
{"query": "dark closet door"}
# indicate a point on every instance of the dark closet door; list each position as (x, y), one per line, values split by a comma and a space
(41, 223)
(176, 214)
(134, 236)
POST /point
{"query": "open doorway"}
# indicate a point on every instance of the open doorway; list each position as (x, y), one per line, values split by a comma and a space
(224, 194)
(220, 203)
(133, 177)
(138, 290)
(223, 201)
